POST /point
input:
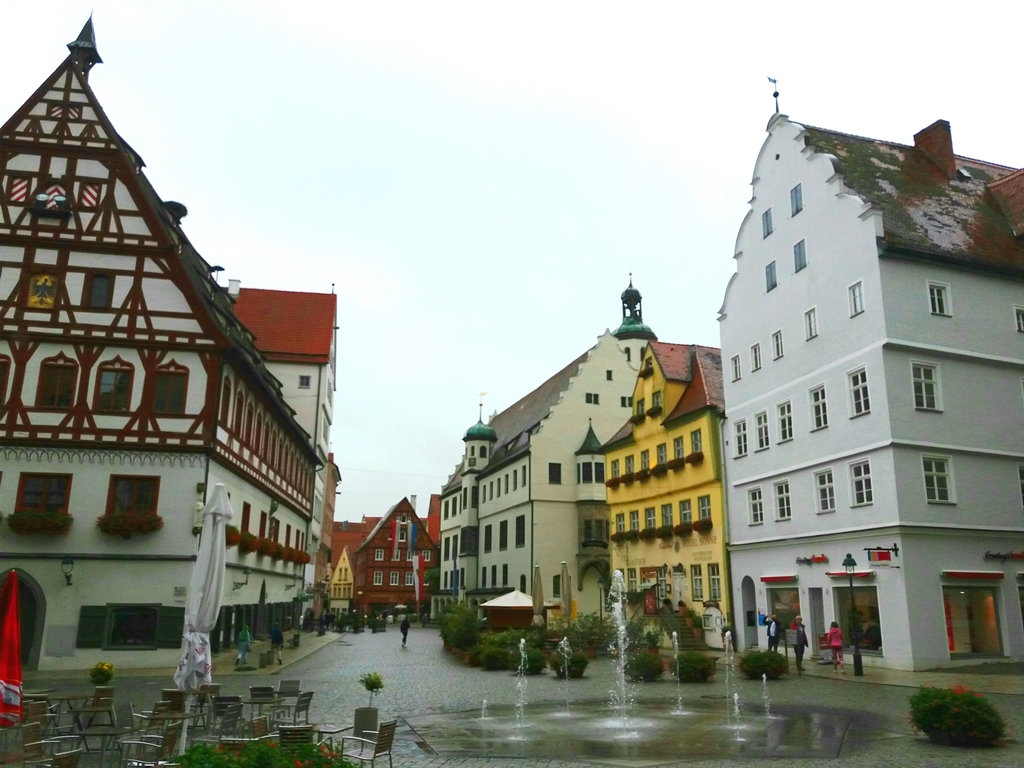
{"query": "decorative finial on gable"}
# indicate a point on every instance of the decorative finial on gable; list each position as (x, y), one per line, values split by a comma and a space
(775, 83)
(83, 48)
(482, 395)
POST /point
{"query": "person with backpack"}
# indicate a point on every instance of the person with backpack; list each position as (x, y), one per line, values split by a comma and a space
(277, 642)
(244, 639)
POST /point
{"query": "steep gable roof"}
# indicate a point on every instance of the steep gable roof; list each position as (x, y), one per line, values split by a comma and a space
(924, 209)
(673, 359)
(404, 507)
(705, 385)
(289, 326)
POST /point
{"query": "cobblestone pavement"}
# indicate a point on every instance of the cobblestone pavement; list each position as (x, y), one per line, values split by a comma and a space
(424, 680)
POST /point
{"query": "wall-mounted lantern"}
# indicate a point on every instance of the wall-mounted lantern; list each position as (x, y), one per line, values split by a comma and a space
(67, 565)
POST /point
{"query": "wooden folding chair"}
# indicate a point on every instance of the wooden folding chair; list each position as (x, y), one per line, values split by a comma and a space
(381, 746)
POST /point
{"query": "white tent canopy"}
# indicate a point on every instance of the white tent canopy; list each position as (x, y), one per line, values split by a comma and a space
(513, 599)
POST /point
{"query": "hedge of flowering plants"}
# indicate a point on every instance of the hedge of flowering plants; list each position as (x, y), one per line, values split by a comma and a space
(262, 754)
(956, 716)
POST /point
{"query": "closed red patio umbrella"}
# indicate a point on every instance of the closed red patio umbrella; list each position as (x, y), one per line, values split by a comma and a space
(10, 653)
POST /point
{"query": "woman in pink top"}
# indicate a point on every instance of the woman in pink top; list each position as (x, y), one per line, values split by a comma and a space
(835, 644)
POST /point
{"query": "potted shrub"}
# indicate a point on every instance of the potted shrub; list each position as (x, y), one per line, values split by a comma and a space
(247, 542)
(652, 639)
(698, 625)
(665, 532)
(101, 673)
(694, 667)
(757, 663)
(496, 658)
(683, 530)
(702, 526)
(47, 523)
(124, 525)
(644, 667)
(648, 533)
(535, 661)
(577, 665)
(232, 536)
(956, 716)
(696, 457)
(366, 717)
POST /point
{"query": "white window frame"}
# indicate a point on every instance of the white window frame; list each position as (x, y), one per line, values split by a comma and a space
(771, 277)
(696, 441)
(785, 420)
(378, 555)
(408, 579)
(811, 324)
(704, 507)
(796, 200)
(767, 225)
(696, 582)
(936, 385)
(678, 447)
(686, 511)
(815, 426)
(714, 582)
(393, 579)
(855, 296)
(755, 506)
(378, 578)
(852, 388)
(666, 508)
(740, 435)
(761, 430)
(426, 556)
(825, 491)
(778, 348)
(1018, 317)
(799, 249)
(948, 474)
(755, 357)
(783, 500)
(946, 298)
(736, 370)
(869, 488)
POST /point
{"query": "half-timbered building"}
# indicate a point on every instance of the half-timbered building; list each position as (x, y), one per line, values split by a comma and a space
(128, 389)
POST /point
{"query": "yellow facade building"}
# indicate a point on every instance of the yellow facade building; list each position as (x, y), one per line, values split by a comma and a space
(665, 493)
(342, 582)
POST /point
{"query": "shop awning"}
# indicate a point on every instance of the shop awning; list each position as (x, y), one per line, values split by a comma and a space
(982, 575)
(856, 574)
(778, 579)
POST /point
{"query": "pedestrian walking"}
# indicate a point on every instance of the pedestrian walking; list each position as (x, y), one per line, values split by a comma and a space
(835, 644)
(277, 642)
(801, 643)
(773, 634)
(405, 629)
(244, 639)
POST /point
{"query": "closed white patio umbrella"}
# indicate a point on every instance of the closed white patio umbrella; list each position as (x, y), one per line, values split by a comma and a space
(538, 597)
(566, 591)
(205, 595)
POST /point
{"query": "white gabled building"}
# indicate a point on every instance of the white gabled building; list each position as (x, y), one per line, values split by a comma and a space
(128, 390)
(871, 346)
(529, 488)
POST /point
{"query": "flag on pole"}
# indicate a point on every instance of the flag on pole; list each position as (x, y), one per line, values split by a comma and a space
(417, 575)
(394, 535)
(10, 653)
(412, 540)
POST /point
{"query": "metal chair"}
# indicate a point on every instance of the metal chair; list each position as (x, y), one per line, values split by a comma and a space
(289, 689)
(220, 705)
(155, 751)
(290, 736)
(381, 745)
(205, 693)
(294, 711)
(66, 759)
(259, 730)
(226, 728)
(262, 692)
(176, 697)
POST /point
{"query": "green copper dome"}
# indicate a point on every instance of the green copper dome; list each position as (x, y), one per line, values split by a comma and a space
(481, 431)
(633, 326)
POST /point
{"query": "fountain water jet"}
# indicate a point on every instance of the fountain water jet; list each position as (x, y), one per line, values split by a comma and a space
(679, 691)
(766, 697)
(521, 686)
(566, 651)
(619, 695)
(483, 710)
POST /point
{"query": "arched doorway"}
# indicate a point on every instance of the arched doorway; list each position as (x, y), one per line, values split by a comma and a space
(749, 617)
(32, 607)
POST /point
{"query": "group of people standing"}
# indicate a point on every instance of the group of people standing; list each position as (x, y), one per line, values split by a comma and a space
(244, 641)
(802, 642)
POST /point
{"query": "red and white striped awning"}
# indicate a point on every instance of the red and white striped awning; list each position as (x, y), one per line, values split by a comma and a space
(981, 575)
(856, 574)
(778, 579)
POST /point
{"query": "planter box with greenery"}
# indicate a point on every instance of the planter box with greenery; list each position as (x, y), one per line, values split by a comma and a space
(265, 547)
(694, 667)
(638, 418)
(45, 523)
(232, 536)
(644, 667)
(632, 535)
(247, 542)
(758, 663)
(628, 478)
(703, 526)
(695, 458)
(535, 661)
(101, 673)
(127, 525)
(288, 555)
(643, 475)
(956, 716)
(647, 370)
(613, 482)
(618, 537)
(264, 754)
(577, 665)
(665, 532)
(654, 410)
(659, 470)
(648, 534)
(683, 530)
(460, 627)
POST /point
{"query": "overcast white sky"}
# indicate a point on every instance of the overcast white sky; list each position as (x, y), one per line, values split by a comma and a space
(477, 179)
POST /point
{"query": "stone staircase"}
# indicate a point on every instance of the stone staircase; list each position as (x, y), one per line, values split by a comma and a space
(672, 623)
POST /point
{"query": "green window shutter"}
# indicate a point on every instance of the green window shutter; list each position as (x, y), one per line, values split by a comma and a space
(92, 626)
(169, 626)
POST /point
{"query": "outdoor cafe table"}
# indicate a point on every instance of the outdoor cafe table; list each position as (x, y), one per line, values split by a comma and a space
(261, 702)
(107, 735)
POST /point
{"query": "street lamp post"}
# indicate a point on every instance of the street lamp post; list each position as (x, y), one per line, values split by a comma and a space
(858, 664)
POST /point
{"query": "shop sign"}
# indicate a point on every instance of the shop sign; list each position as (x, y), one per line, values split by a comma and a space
(812, 560)
(1002, 557)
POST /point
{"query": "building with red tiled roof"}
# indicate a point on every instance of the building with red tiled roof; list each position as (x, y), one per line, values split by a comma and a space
(665, 487)
(296, 333)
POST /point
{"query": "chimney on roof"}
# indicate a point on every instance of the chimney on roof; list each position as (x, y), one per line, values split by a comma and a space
(234, 286)
(412, 500)
(936, 141)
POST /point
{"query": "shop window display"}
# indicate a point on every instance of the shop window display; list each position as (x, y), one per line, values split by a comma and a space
(972, 625)
(785, 604)
(863, 615)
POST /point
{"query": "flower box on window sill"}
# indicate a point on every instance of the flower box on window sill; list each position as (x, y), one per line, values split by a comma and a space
(695, 458)
(266, 547)
(637, 418)
(683, 530)
(643, 475)
(127, 524)
(628, 478)
(288, 555)
(703, 526)
(654, 410)
(665, 532)
(232, 536)
(647, 370)
(659, 470)
(303, 558)
(647, 534)
(247, 542)
(676, 464)
(618, 537)
(632, 536)
(46, 523)
(613, 482)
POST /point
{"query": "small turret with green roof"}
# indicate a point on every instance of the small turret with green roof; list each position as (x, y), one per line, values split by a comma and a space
(632, 316)
(481, 431)
(591, 445)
